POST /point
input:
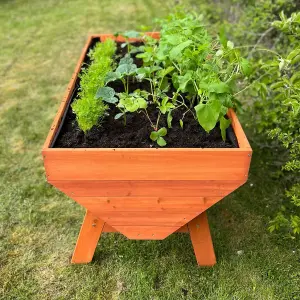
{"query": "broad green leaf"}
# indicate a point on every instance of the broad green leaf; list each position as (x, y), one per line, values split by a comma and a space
(163, 109)
(131, 34)
(127, 69)
(141, 102)
(161, 141)
(105, 93)
(173, 39)
(169, 119)
(224, 124)
(184, 80)
(176, 51)
(112, 76)
(219, 88)
(127, 60)
(118, 116)
(246, 67)
(162, 131)
(154, 135)
(208, 114)
(129, 104)
(111, 100)
(142, 72)
(166, 71)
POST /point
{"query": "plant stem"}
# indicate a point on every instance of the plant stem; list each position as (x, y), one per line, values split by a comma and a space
(159, 114)
(147, 115)
(179, 70)
(248, 86)
(259, 40)
(125, 120)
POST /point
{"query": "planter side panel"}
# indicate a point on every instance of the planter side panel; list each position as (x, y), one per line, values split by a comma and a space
(140, 217)
(146, 188)
(139, 164)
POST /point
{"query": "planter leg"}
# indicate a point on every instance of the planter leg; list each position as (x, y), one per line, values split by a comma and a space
(88, 238)
(201, 240)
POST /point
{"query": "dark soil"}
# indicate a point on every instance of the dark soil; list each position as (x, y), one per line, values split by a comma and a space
(113, 134)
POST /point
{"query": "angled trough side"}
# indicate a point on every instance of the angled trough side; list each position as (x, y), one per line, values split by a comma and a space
(144, 193)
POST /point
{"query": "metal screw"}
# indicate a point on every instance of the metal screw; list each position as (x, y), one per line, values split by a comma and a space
(249, 155)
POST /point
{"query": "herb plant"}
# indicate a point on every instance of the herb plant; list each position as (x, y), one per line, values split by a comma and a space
(88, 108)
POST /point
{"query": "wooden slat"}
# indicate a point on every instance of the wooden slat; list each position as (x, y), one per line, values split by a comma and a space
(147, 218)
(146, 232)
(147, 188)
(238, 130)
(108, 228)
(144, 204)
(141, 164)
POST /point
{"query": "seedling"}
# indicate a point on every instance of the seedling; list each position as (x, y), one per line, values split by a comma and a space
(157, 136)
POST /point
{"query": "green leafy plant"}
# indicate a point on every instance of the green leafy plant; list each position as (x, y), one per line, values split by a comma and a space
(196, 65)
(187, 70)
(130, 103)
(279, 114)
(88, 108)
(157, 136)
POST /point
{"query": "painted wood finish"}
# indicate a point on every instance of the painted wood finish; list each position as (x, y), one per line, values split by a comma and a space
(144, 193)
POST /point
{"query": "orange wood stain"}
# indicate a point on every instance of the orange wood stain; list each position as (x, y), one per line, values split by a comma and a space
(145, 193)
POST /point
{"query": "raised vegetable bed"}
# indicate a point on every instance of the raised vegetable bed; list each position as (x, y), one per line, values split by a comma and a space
(144, 193)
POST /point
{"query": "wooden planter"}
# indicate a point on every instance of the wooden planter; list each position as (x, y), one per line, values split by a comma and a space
(144, 193)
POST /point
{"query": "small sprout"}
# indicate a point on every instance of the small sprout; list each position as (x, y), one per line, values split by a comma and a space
(169, 119)
(157, 136)
(181, 123)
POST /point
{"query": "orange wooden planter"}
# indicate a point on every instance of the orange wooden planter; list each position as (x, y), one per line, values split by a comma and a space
(145, 193)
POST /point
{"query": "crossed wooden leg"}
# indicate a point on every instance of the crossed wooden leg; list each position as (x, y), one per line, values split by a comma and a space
(88, 238)
(92, 228)
(201, 240)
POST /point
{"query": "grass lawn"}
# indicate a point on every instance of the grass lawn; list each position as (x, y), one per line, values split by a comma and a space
(40, 44)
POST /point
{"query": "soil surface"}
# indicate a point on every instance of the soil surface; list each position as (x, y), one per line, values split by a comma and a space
(112, 133)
